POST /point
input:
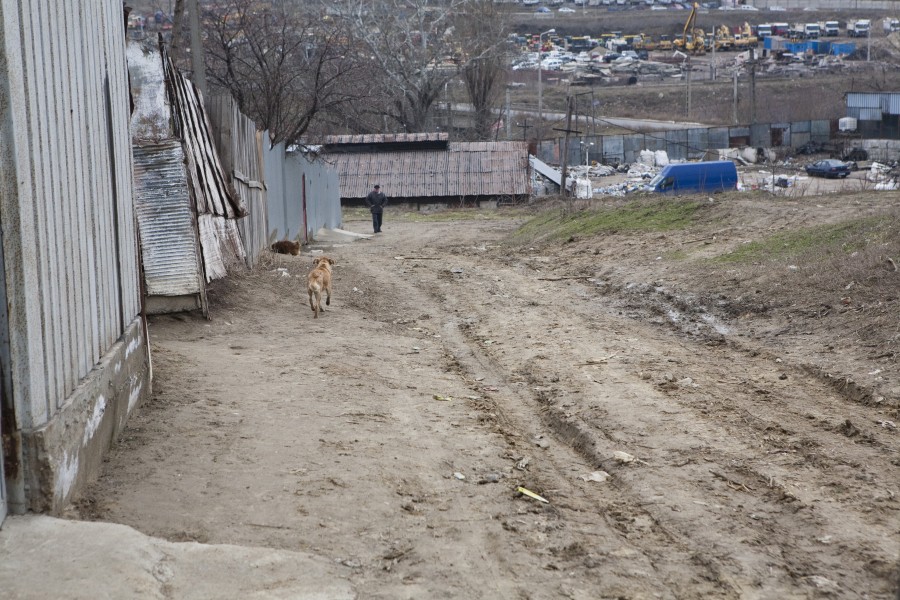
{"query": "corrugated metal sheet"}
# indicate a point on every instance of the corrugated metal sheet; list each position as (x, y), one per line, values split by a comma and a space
(761, 135)
(71, 258)
(677, 144)
(820, 130)
(212, 190)
(864, 100)
(613, 147)
(165, 219)
(698, 141)
(866, 114)
(464, 169)
(380, 138)
(717, 138)
(319, 189)
(303, 194)
(240, 148)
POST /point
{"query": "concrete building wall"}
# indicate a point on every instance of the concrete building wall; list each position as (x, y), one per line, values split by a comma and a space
(74, 354)
(687, 144)
(835, 5)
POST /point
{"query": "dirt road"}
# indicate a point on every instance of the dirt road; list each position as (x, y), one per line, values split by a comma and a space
(391, 434)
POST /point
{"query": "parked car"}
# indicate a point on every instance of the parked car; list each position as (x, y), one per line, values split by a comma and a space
(542, 9)
(829, 168)
(611, 56)
(566, 9)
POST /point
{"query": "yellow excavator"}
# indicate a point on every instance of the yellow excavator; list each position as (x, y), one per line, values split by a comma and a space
(745, 39)
(692, 39)
(724, 38)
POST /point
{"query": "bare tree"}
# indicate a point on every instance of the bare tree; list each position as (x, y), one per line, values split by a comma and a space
(177, 28)
(410, 45)
(484, 60)
(284, 67)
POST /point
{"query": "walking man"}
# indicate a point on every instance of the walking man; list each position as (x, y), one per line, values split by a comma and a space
(376, 202)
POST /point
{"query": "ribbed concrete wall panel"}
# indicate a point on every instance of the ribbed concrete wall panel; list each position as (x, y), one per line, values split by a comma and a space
(68, 154)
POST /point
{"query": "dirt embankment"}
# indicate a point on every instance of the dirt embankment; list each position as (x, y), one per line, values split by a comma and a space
(697, 431)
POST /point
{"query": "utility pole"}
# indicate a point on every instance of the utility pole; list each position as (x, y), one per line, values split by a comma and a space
(869, 43)
(570, 101)
(753, 91)
(734, 111)
(688, 86)
(508, 117)
(177, 26)
(524, 126)
(540, 83)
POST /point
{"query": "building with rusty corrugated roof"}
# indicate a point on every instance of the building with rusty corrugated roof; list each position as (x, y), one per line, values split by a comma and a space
(428, 168)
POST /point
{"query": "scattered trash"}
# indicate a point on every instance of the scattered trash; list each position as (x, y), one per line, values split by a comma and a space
(598, 476)
(531, 494)
(623, 457)
(823, 583)
(459, 476)
(687, 382)
(887, 424)
(456, 270)
(353, 564)
(540, 442)
(490, 478)
(442, 398)
(523, 463)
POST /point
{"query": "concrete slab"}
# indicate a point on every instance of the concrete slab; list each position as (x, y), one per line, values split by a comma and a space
(340, 235)
(44, 557)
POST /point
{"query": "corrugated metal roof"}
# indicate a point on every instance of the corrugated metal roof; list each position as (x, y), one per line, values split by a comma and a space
(385, 138)
(887, 101)
(464, 169)
(167, 235)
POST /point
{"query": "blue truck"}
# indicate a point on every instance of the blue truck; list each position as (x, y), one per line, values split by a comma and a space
(695, 178)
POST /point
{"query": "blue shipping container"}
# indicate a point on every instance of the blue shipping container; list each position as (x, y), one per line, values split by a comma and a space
(844, 48)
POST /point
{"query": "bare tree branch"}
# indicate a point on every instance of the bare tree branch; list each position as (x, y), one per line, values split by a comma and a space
(283, 68)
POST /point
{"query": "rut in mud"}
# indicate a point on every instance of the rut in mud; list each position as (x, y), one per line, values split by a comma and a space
(390, 435)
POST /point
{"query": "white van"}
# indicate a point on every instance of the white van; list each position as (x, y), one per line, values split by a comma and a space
(552, 64)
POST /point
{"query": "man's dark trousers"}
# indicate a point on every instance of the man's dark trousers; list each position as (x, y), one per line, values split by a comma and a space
(376, 221)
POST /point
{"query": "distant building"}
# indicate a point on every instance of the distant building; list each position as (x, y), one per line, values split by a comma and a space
(425, 168)
(877, 113)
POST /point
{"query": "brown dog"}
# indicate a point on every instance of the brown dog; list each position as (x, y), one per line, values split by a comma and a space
(286, 247)
(319, 279)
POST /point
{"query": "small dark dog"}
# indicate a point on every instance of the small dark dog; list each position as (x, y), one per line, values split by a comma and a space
(286, 247)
